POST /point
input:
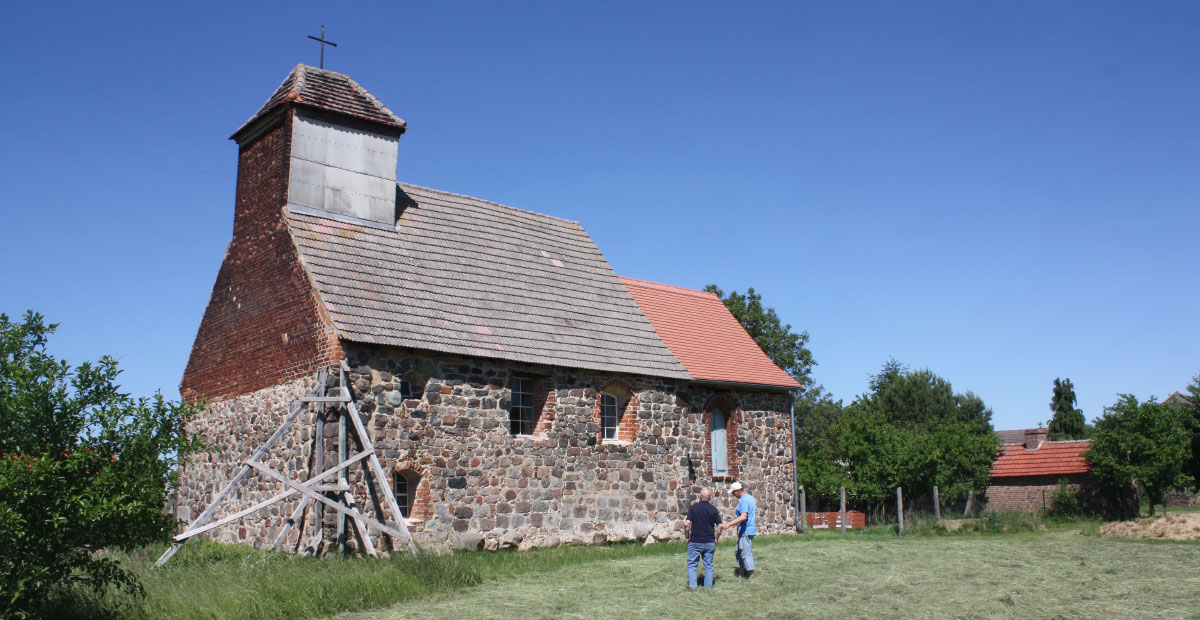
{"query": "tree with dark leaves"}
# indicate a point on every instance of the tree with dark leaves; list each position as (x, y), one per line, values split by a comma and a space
(83, 468)
(785, 347)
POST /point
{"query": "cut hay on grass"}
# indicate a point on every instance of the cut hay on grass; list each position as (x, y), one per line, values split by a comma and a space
(1055, 574)
(1170, 527)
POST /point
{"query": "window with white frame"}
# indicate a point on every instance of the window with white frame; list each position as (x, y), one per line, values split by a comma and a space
(609, 417)
(720, 452)
(522, 419)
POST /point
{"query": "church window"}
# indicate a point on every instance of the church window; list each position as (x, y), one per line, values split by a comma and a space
(404, 486)
(522, 417)
(720, 452)
(609, 417)
(412, 385)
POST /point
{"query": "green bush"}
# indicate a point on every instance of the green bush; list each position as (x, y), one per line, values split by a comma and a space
(1066, 502)
(83, 467)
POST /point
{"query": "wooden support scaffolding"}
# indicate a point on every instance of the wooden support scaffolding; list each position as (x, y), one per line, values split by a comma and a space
(313, 491)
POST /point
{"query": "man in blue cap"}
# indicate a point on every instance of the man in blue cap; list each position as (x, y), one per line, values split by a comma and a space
(747, 526)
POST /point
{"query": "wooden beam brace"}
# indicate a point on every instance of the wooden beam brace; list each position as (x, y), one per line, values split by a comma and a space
(376, 466)
(325, 500)
(311, 482)
(322, 376)
(287, 525)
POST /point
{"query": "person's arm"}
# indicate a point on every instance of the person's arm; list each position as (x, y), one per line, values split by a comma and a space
(735, 521)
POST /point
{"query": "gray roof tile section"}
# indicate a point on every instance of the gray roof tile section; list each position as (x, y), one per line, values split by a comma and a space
(468, 276)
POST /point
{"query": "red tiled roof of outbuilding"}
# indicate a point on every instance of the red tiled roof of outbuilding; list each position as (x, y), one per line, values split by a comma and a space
(1052, 458)
(704, 336)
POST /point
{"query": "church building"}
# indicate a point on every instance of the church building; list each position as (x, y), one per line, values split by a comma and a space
(518, 392)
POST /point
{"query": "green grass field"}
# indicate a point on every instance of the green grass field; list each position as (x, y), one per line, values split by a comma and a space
(1056, 574)
(1064, 572)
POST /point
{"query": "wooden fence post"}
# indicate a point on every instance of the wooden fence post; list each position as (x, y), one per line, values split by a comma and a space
(803, 511)
(937, 505)
(842, 527)
(900, 509)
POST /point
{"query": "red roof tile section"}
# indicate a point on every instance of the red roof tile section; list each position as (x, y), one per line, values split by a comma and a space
(1052, 458)
(328, 90)
(704, 336)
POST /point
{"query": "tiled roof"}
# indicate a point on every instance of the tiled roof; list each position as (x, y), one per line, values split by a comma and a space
(1014, 436)
(1052, 458)
(468, 276)
(705, 336)
(331, 91)
(1178, 397)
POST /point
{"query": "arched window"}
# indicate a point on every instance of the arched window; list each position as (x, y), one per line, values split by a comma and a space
(720, 451)
(404, 486)
(609, 417)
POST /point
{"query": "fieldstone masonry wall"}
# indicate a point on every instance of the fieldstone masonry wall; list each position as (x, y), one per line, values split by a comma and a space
(236, 428)
(480, 486)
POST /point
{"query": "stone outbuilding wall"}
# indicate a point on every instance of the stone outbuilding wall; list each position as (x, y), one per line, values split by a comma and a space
(1034, 493)
(442, 423)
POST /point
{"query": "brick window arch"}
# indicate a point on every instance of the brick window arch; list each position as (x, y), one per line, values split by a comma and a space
(616, 413)
(532, 405)
(722, 416)
(411, 491)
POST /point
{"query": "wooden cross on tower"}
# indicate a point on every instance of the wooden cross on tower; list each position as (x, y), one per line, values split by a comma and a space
(323, 44)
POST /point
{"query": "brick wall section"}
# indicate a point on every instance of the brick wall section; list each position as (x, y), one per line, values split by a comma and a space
(263, 325)
(1026, 493)
(482, 487)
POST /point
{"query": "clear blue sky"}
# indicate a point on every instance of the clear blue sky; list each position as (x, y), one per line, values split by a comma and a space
(1004, 193)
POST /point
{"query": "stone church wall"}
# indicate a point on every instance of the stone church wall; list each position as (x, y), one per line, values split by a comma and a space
(236, 428)
(481, 486)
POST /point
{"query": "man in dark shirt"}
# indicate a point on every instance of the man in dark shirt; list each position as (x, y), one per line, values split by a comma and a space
(702, 519)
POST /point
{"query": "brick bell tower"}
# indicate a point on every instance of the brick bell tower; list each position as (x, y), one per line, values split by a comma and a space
(320, 144)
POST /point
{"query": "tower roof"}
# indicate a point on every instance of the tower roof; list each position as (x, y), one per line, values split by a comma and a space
(327, 90)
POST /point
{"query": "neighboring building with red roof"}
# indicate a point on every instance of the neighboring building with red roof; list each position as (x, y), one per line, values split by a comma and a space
(517, 391)
(1025, 475)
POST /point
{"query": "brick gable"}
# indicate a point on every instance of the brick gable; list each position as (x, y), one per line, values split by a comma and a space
(263, 324)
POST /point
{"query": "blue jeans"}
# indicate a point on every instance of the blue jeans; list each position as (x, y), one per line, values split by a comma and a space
(745, 552)
(696, 551)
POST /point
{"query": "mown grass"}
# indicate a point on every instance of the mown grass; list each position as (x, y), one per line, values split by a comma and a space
(1005, 564)
(1055, 573)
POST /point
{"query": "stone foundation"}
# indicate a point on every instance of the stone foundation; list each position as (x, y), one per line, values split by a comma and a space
(481, 486)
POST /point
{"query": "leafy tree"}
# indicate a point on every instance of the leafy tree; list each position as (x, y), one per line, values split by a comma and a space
(1140, 442)
(911, 430)
(1068, 421)
(83, 467)
(1191, 465)
(785, 347)
(816, 453)
(922, 432)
